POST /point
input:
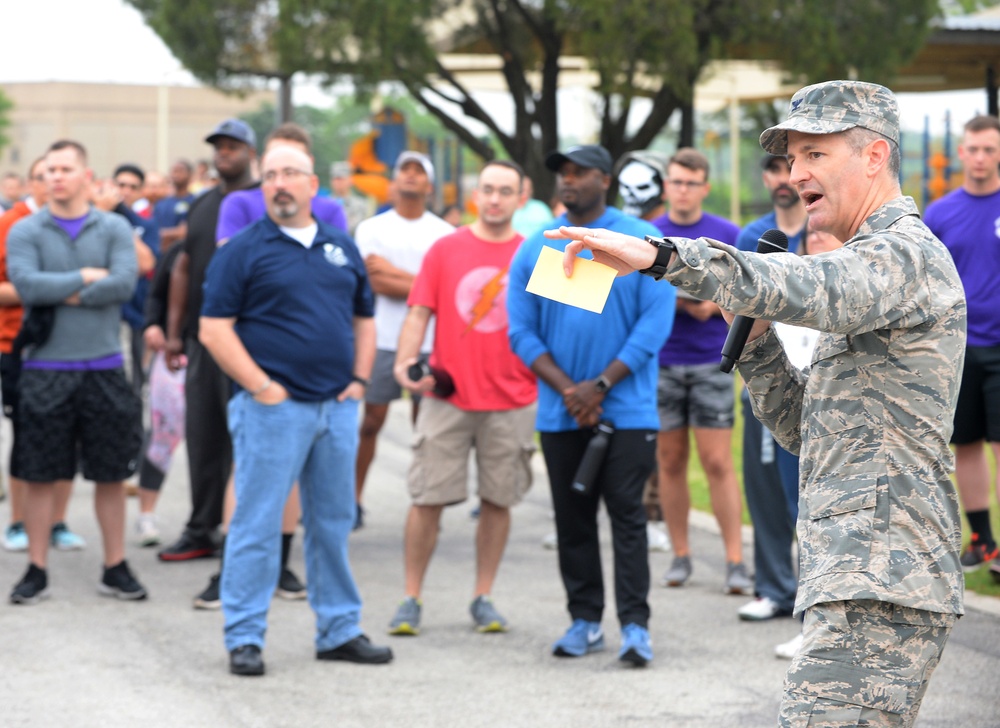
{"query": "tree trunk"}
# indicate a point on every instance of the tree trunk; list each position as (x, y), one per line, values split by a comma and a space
(285, 99)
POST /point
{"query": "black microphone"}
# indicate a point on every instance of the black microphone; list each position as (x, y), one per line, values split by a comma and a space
(772, 241)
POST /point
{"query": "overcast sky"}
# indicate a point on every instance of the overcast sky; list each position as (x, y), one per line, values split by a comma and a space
(107, 41)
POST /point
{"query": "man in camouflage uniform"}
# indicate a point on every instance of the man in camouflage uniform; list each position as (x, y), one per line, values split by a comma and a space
(879, 531)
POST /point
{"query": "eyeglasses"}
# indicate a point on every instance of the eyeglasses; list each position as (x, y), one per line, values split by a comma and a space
(489, 191)
(685, 184)
(290, 174)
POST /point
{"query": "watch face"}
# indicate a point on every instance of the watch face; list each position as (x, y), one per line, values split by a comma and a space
(602, 386)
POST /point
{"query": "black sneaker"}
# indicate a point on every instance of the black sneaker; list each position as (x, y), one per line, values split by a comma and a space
(119, 582)
(246, 660)
(188, 547)
(209, 599)
(33, 587)
(289, 586)
(977, 553)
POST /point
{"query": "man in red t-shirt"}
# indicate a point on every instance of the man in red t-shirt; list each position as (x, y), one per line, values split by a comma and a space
(463, 283)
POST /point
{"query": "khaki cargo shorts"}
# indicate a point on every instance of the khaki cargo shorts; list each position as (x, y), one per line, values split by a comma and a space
(443, 438)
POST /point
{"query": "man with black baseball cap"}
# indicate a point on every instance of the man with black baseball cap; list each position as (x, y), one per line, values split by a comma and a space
(593, 156)
(595, 368)
(207, 389)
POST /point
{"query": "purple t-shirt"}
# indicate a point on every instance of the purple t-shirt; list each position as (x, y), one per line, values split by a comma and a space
(692, 341)
(72, 225)
(969, 226)
(244, 207)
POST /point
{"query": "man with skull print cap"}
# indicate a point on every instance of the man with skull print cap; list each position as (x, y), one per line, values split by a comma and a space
(640, 178)
(692, 394)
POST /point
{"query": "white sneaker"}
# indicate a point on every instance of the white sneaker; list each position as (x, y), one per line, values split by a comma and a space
(551, 542)
(787, 650)
(145, 526)
(760, 609)
(656, 538)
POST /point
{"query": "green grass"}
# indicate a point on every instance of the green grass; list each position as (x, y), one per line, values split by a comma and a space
(979, 581)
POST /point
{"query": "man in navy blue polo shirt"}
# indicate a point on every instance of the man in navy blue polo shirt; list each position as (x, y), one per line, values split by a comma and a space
(288, 316)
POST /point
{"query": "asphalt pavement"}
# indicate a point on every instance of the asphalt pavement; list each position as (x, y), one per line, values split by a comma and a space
(80, 659)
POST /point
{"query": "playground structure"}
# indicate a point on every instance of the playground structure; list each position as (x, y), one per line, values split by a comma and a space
(372, 158)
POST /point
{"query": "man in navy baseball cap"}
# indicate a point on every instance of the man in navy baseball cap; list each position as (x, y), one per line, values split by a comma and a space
(234, 129)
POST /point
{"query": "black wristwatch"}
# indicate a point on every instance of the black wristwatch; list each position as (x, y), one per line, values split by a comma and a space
(602, 385)
(664, 249)
(361, 380)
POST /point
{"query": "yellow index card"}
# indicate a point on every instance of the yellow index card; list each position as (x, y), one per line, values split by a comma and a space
(587, 288)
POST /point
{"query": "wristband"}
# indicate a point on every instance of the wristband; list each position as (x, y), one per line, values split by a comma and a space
(361, 380)
(664, 249)
(261, 388)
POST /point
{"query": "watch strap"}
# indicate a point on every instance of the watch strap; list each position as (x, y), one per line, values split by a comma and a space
(664, 249)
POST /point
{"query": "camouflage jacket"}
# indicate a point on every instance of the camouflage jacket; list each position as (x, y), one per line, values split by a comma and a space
(872, 417)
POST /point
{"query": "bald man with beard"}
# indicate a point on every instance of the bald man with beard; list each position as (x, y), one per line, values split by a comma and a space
(287, 315)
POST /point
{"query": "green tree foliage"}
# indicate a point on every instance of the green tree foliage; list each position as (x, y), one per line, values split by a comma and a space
(5, 107)
(638, 49)
(865, 39)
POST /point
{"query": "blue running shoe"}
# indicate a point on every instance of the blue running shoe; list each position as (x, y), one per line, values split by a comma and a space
(65, 540)
(15, 538)
(636, 646)
(581, 638)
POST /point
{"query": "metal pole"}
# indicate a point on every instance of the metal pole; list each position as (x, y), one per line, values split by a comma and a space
(734, 160)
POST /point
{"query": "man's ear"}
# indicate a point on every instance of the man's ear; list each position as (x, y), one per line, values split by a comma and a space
(878, 153)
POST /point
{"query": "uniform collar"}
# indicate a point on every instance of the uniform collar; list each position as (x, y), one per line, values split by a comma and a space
(888, 215)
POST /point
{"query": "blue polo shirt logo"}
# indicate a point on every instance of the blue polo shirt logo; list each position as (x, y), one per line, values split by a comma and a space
(334, 255)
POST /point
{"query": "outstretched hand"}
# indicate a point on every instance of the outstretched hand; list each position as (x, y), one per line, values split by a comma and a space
(622, 252)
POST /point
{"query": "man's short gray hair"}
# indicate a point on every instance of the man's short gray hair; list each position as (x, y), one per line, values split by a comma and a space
(858, 138)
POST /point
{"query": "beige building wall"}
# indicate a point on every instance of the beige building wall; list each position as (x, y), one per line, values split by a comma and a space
(148, 125)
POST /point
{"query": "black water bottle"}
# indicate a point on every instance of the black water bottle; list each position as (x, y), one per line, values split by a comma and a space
(593, 458)
(444, 385)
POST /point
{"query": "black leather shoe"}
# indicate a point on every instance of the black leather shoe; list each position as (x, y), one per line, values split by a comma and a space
(188, 547)
(246, 660)
(360, 649)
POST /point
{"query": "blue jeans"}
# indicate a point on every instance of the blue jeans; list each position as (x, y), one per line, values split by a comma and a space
(274, 445)
(770, 510)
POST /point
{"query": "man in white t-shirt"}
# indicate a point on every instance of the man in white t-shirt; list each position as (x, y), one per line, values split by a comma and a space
(393, 245)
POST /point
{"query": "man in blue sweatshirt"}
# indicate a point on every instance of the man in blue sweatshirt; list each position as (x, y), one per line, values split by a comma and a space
(75, 406)
(595, 368)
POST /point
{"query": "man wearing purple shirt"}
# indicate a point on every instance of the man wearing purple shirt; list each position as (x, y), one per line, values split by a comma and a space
(243, 208)
(693, 393)
(967, 221)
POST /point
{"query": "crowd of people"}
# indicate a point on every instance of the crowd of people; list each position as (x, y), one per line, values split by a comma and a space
(249, 308)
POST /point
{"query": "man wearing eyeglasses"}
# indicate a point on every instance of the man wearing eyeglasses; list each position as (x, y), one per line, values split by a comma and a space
(462, 283)
(287, 315)
(123, 197)
(692, 394)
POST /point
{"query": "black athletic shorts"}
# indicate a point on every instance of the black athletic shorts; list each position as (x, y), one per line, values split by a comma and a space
(89, 421)
(977, 416)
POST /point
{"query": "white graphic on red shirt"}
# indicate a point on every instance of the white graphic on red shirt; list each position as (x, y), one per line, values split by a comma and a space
(481, 299)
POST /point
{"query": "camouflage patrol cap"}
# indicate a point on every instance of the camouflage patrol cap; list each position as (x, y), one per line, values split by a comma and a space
(834, 106)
